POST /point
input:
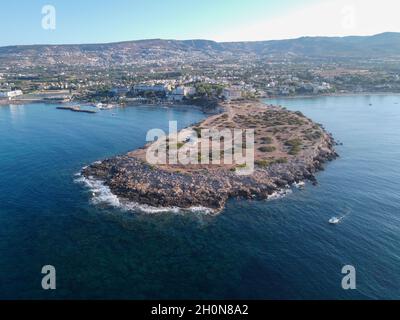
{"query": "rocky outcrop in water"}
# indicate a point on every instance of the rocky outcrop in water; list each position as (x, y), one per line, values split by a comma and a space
(131, 178)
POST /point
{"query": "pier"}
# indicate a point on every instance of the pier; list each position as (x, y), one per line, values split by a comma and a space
(76, 109)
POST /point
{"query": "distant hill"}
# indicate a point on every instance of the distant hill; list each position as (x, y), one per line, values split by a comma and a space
(381, 45)
(385, 44)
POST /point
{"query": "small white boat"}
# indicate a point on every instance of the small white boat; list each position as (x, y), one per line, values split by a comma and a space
(103, 106)
(334, 220)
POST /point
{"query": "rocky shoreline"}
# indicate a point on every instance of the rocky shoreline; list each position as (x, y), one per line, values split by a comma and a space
(131, 178)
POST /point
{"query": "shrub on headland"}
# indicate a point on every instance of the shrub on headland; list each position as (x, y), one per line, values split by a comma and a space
(267, 149)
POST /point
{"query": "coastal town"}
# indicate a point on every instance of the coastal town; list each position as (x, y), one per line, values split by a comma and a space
(162, 88)
(173, 72)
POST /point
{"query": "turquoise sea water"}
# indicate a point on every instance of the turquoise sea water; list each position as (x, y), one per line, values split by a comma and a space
(281, 249)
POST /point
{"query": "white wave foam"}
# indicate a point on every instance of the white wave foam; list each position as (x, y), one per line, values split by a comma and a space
(299, 185)
(102, 194)
(280, 194)
(134, 206)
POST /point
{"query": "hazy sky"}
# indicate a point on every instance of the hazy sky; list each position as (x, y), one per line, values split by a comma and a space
(94, 21)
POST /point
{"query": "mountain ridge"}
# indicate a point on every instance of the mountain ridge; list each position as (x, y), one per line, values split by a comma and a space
(381, 45)
(203, 40)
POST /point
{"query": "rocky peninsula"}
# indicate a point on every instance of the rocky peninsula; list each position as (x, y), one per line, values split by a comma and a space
(288, 148)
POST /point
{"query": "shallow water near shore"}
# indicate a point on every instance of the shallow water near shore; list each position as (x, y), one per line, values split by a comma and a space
(278, 249)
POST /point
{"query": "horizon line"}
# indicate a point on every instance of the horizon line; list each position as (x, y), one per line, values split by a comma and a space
(198, 39)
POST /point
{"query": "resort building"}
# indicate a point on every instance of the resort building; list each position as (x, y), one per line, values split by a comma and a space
(232, 93)
(140, 88)
(11, 94)
(180, 92)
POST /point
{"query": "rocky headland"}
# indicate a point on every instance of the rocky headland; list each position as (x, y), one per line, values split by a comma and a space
(288, 148)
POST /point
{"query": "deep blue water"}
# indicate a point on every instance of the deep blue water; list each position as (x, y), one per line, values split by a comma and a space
(281, 249)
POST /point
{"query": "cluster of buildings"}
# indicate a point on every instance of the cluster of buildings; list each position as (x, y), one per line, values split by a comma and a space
(179, 93)
(10, 94)
(174, 93)
(232, 93)
(162, 90)
(157, 88)
(297, 86)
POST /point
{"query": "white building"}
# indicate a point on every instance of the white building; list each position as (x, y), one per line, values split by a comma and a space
(177, 94)
(185, 91)
(11, 94)
(232, 93)
(180, 92)
(190, 91)
(140, 88)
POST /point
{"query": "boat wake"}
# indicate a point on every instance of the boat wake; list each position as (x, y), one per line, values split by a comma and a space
(337, 220)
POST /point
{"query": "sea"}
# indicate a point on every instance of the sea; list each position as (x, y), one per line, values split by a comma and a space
(283, 248)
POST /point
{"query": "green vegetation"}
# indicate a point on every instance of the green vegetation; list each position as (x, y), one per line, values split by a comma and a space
(266, 140)
(266, 163)
(241, 166)
(294, 145)
(263, 163)
(208, 89)
(267, 149)
(281, 160)
(311, 136)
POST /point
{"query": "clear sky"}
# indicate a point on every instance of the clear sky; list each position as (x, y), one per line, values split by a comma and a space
(97, 21)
